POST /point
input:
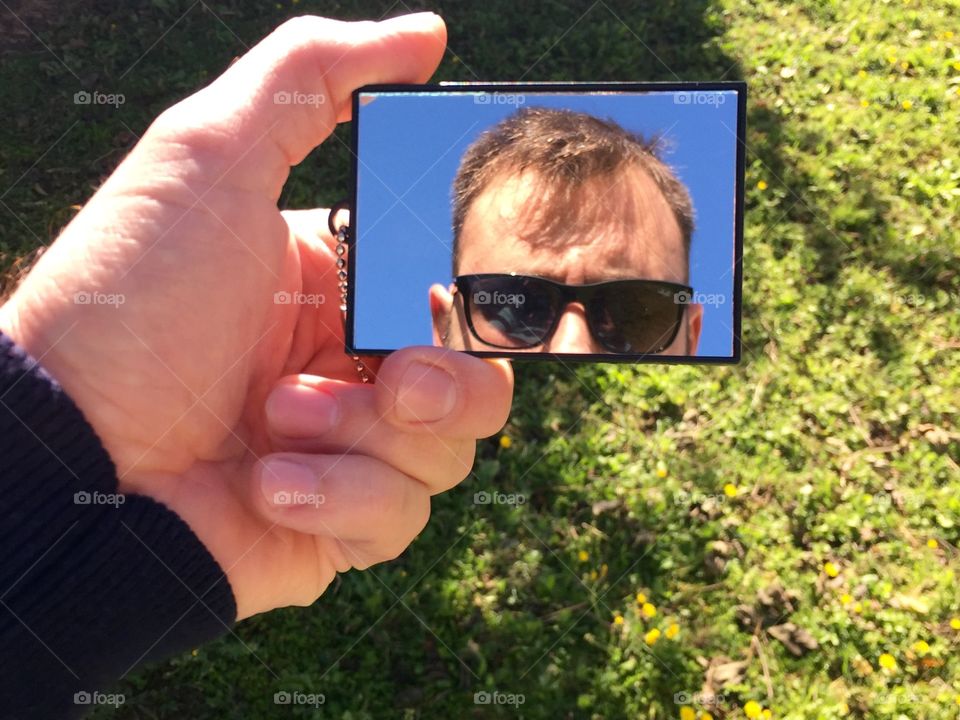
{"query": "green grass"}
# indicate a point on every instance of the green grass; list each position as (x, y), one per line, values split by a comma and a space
(835, 441)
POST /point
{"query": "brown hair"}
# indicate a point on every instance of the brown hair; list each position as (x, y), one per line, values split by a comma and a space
(566, 149)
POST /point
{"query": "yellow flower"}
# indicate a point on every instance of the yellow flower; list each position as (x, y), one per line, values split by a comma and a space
(888, 662)
(862, 73)
(593, 575)
(641, 598)
(672, 631)
(648, 610)
(955, 623)
(687, 713)
(864, 103)
(932, 544)
(858, 608)
(846, 599)
(956, 66)
(766, 714)
(904, 65)
(948, 35)
(583, 556)
(604, 569)
(618, 619)
(652, 636)
(906, 105)
(921, 647)
(730, 490)
(762, 185)
(891, 59)
(706, 716)
(505, 441)
(830, 569)
(752, 709)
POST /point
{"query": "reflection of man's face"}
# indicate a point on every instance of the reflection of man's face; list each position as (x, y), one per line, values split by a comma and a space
(620, 228)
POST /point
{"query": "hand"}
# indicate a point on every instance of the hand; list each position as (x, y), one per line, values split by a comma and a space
(208, 394)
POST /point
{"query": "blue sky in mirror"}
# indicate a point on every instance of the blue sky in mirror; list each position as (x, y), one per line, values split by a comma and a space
(410, 145)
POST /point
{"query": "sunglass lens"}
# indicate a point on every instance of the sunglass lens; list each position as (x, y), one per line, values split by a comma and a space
(635, 316)
(511, 311)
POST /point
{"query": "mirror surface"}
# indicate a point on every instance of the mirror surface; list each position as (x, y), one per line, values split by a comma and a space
(585, 225)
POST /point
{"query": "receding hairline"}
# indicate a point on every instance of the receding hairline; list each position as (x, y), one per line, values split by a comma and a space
(570, 149)
(547, 222)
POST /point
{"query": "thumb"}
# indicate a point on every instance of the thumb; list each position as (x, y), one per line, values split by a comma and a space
(286, 95)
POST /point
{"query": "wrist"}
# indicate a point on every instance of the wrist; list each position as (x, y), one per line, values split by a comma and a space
(45, 330)
(10, 322)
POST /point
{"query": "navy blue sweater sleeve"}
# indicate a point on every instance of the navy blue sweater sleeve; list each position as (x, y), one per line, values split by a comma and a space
(92, 583)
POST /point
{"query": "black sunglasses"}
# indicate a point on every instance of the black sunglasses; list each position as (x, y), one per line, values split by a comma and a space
(514, 312)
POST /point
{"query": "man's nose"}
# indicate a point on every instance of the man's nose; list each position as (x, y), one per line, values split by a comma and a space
(572, 334)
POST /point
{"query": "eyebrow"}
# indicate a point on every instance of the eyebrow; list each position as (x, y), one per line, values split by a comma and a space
(590, 278)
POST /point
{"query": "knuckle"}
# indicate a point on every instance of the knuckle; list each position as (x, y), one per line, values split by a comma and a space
(173, 121)
(378, 498)
(298, 28)
(192, 124)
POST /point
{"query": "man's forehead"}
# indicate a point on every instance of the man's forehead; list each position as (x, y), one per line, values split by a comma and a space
(620, 225)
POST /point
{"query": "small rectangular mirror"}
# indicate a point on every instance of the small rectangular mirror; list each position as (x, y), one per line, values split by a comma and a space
(583, 222)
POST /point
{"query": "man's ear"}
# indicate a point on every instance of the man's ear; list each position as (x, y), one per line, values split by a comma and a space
(694, 326)
(441, 310)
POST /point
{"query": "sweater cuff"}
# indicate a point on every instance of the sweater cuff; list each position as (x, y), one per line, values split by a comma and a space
(92, 582)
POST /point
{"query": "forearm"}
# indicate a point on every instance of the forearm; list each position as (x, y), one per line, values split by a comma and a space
(92, 583)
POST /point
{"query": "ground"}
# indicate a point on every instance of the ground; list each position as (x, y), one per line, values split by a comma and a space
(675, 520)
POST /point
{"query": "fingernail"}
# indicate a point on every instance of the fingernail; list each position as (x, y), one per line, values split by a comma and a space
(427, 393)
(298, 411)
(285, 483)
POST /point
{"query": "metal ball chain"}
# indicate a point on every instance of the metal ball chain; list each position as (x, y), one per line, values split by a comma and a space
(342, 234)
